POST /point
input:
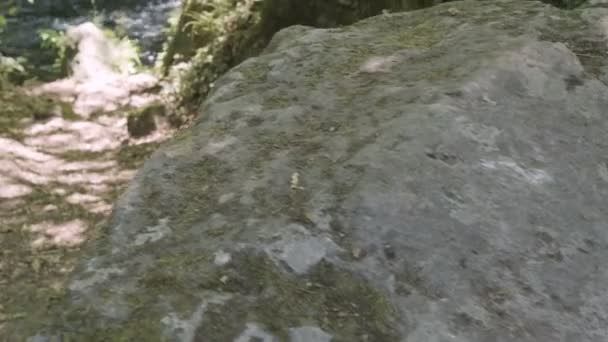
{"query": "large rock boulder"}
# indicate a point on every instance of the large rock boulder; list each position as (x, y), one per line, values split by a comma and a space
(438, 175)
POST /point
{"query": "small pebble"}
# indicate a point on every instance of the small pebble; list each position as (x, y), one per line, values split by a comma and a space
(222, 258)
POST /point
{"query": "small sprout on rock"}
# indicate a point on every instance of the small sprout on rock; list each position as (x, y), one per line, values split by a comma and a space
(295, 181)
(36, 265)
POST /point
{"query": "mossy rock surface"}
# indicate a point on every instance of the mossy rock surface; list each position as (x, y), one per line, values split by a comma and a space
(217, 35)
(436, 175)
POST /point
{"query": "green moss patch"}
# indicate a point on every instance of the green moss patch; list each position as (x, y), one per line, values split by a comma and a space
(20, 109)
(571, 30)
(335, 300)
(134, 156)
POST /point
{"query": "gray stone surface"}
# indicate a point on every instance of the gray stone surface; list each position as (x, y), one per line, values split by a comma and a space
(439, 175)
(308, 334)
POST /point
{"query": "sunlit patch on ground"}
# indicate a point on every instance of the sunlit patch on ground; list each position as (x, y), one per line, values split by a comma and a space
(66, 234)
(58, 181)
(60, 135)
(11, 189)
(92, 203)
(86, 170)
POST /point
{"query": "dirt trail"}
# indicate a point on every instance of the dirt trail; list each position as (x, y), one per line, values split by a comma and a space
(58, 180)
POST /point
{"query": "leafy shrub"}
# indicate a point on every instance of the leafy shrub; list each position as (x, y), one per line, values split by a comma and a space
(125, 53)
(10, 69)
(57, 42)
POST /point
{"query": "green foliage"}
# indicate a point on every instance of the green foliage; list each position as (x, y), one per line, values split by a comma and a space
(57, 42)
(220, 34)
(10, 68)
(53, 39)
(125, 53)
(9, 65)
(210, 21)
(3, 21)
(8, 9)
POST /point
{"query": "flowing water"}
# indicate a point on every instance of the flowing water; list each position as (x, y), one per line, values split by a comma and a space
(144, 21)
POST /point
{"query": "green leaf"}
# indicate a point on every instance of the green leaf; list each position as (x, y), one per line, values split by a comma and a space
(13, 11)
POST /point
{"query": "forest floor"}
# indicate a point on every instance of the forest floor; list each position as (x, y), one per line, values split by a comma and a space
(58, 179)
